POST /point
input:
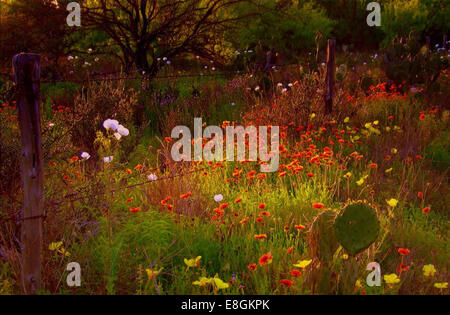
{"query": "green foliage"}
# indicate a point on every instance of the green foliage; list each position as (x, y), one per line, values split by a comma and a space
(356, 227)
(438, 151)
(289, 29)
(401, 17)
(413, 62)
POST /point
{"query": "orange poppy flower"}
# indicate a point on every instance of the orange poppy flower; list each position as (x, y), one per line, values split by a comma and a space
(134, 210)
(260, 236)
(185, 195)
(243, 221)
(299, 227)
(238, 199)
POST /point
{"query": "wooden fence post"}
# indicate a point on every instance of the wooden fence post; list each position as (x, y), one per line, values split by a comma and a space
(330, 75)
(444, 42)
(26, 78)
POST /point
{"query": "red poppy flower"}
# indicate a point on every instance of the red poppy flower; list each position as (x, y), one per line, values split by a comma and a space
(252, 267)
(318, 205)
(419, 194)
(223, 206)
(265, 259)
(310, 175)
(426, 209)
(238, 199)
(264, 214)
(296, 273)
(261, 206)
(134, 210)
(402, 267)
(422, 117)
(403, 251)
(289, 250)
(299, 227)
(164, 201)
(286, 282)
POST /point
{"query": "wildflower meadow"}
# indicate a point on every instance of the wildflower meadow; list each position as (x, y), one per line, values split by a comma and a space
(225, 148)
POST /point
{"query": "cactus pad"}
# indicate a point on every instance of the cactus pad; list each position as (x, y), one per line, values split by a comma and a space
(323, 241)
(356, 227)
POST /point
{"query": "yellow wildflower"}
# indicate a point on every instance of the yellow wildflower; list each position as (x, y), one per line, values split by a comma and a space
(348, 175)
(54, 246)
(392, 202)
(441, 285)
(391, 279)
(303, 263)
(219, 283)
(153, 273)
(203, 281)
(429, 270)
(193, 262)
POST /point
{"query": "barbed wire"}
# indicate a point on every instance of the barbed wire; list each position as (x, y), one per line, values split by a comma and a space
(80, 196)
(110, 76)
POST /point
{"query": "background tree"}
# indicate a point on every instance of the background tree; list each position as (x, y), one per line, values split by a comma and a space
(36, 26)
(146, 30)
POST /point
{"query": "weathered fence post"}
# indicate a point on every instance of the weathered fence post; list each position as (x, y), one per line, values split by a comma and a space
(444, 42)
(330, 76)
(26, 78)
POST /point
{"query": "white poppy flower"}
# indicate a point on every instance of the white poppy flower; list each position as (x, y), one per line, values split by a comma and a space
(218, 198)
(117, 135)
(108, 159)
(123, 131)
(110, 124)
(85, 155)
(152, 177)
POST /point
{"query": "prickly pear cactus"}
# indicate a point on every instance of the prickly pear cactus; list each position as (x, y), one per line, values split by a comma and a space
(323, 241)
(356, 227)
